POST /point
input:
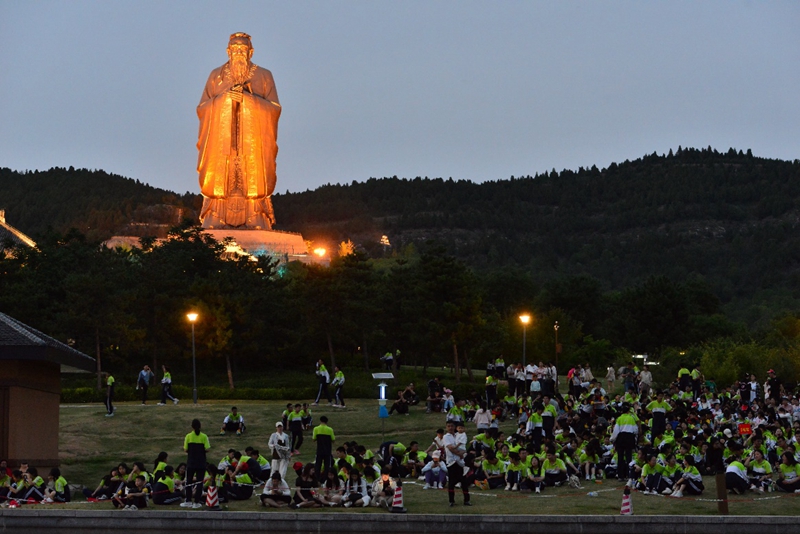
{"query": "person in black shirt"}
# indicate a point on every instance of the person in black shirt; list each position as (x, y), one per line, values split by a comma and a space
(774, 384)
(306, 482)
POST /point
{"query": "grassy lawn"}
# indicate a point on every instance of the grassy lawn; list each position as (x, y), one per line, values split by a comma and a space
(91, 444)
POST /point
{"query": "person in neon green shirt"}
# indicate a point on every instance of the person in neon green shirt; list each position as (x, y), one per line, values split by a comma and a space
(759, 469)
(691, 481)
(589, 459)
(652, 479)
(516, 471)
(555, 470)
(35, 485)
(736, 478)
(324, 436)
(164, 490)
(338, 383)
(493, 471)
(491, 390)
(166, 387)
(110, 395)
(789, 473)
(237, 486)
(234, 421)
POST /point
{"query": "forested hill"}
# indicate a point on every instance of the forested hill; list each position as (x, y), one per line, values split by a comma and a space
(97, 203)
(729, 218)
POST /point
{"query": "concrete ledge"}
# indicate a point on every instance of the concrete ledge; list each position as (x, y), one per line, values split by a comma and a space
(115, 521)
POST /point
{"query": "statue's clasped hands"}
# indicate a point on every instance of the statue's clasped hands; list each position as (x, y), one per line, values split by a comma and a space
(235, 93)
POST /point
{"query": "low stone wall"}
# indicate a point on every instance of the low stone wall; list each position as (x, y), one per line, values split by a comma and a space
(40, 521)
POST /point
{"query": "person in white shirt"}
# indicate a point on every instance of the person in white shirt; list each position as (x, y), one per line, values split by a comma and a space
(281, 446)
(483, 418)
(454, 459)
(277, 493)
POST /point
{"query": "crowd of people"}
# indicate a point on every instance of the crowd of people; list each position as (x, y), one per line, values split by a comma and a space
(656, 440)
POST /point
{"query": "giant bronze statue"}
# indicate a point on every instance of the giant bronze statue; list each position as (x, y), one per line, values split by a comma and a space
(237, 146)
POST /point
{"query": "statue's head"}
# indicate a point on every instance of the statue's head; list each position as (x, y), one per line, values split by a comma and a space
(240, 47)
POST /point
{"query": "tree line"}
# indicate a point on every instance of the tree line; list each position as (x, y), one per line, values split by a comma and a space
(128, 307)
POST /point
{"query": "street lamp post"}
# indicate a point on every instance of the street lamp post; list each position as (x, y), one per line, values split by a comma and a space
(192, 318)
(525, 320)
(382, 412)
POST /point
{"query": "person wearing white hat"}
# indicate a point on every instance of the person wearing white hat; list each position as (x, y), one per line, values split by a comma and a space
(434, 472)
(281, 448)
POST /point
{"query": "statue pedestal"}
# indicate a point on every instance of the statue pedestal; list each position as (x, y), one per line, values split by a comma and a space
(262, 241)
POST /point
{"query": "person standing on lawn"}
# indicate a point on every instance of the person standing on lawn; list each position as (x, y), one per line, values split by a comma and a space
(110, 395)
(281, 447)
(324, 436)
(196, 446)
(338, 383)
(454, 459)
(324, 378)
(143, 381)
(166, 387)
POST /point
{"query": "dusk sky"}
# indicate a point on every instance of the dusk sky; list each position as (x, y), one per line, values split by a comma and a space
(469, 90)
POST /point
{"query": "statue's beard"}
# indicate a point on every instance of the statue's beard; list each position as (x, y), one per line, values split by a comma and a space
(240, 68)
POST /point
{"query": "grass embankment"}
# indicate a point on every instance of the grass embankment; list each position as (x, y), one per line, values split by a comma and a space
(91, 444)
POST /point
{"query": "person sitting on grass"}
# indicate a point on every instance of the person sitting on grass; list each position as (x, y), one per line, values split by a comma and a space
(257, 474)
(159, 464)
(18, 486)
(400, 405)
(332, 488)
(535, 478)
(789, 473)
(355, 491)
(760, 471)
(137, 496)
(228, 459)
(36, 485)
(516, 472)
(133, 497)
(434, 402)
(555, 470)
(736, 479)
(691, 481)
(5, 482)
(139, 469)
(237, 486)
(277, 493)
(164, 490)
(652, 480)
(383, 489)
(412, 461)
(410, 395)
(590, 458)
(492, 471)
(306, 483)
(60, 491)
(104, 490)
(233, 422)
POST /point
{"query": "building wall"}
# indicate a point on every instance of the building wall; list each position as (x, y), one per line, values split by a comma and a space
(31, 392)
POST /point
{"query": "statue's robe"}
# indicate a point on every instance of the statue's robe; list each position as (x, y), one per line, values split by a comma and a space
(245, 204)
